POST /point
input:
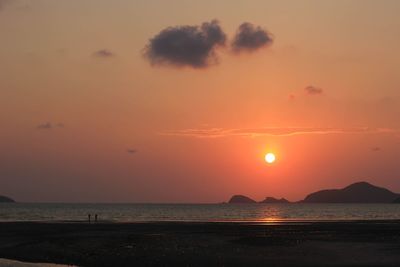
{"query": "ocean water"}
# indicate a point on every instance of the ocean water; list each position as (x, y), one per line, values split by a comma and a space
(197, 212)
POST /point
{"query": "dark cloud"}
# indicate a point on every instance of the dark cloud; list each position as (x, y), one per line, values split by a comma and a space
(312, 90)
(49, 125)
(192, 46)
(250, 38)
(131, 151)
(103, 53)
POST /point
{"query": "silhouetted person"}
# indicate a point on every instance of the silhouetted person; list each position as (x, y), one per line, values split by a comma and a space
(89, 219)
(95, 217)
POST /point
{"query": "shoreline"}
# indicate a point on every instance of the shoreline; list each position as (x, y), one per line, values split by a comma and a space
(355, 243)
(259, 213)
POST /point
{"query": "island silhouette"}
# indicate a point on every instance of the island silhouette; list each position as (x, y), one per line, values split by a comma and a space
(360, 192)
(4, 199)
(274, 200)
(241, 200)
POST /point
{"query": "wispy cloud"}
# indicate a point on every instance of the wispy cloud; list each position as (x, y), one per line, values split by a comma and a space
(375, 149)
(131, 151)
(103, 53)
(274, 131)
(49, 125)
(313, 90)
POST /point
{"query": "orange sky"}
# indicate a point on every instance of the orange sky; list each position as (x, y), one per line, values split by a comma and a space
(199, 134)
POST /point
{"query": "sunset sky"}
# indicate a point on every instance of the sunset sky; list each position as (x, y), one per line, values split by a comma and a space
(91, 111)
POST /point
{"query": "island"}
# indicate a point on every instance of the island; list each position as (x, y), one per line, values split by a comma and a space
(4, 199)
(240, 199)
(274, 200)
(360, 192)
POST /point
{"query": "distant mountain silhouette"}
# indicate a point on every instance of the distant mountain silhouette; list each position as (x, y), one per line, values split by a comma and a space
(274, 200)
(4, 199)
(361, 192)
(240, 199)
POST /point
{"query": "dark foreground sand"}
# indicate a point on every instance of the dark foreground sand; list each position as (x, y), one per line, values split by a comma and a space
(204, 244)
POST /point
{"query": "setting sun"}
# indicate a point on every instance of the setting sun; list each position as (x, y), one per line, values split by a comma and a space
(270, 157)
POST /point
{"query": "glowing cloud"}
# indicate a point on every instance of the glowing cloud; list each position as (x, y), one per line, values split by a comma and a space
(276, 131)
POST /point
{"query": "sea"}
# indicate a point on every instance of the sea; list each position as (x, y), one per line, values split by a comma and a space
(268, 213)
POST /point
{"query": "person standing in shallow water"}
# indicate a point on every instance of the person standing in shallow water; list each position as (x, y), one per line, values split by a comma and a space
(95, 217)
(89, 219)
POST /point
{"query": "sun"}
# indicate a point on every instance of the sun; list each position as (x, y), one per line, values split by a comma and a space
(270, 158)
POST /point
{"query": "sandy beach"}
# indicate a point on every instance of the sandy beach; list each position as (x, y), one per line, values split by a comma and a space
(362, 243)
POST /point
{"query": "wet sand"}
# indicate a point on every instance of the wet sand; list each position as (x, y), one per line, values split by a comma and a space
(370, 243)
